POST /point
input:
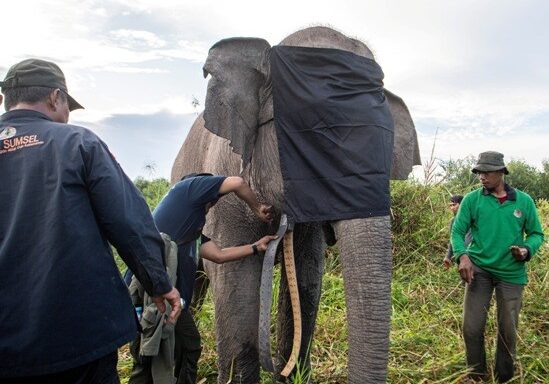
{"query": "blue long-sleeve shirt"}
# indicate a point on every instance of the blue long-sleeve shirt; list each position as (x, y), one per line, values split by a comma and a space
(63, 198)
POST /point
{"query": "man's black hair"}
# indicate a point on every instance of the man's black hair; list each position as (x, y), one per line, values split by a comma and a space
(195, 175)
(456, 199)
(31, 95)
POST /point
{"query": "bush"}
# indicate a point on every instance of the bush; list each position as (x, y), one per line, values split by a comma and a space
(420, 219)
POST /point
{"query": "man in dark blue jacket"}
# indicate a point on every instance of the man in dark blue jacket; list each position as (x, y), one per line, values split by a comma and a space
(64, 310)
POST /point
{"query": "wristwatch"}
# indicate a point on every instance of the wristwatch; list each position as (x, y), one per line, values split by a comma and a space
(254, 248)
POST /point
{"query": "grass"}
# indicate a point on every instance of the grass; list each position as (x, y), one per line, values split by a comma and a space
(426, 342)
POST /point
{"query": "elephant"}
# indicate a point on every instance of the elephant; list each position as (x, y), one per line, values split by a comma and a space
(239, 105)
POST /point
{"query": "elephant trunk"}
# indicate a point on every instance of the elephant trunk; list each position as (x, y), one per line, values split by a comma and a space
(365, 247)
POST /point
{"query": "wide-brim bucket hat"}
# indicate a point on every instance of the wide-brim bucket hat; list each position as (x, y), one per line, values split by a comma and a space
(490, 161)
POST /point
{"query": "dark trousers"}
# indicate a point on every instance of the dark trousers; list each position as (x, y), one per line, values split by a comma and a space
(187, 353)
(187, 349)
(478, 295)
(100, 371)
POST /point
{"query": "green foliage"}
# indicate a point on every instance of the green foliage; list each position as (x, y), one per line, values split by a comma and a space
(152, 190)
(457, 177)
(420, 218)
(529, 179)
(544, 180)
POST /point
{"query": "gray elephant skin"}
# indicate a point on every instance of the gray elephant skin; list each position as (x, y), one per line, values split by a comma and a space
(239, 106)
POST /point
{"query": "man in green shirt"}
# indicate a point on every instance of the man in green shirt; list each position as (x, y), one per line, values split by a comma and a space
(506, 234)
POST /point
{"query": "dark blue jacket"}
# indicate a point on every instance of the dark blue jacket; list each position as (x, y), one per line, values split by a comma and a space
(63, 198)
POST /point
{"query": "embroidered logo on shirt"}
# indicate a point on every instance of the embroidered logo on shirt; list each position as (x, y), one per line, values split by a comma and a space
(7, 133)
(15, 143)
(517, 213)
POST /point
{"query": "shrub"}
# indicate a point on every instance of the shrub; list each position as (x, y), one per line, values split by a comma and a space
(420, 219)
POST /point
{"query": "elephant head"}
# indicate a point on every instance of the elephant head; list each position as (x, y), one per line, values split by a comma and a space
(239, 112)
(239, 99)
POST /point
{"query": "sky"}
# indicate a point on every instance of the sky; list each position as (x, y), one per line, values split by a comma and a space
(475, 74)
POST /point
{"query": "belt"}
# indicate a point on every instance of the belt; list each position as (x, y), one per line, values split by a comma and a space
(285, 230)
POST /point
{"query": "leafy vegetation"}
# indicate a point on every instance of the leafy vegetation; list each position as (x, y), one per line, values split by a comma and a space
(456, 176)
(426, 342)
(153, 191)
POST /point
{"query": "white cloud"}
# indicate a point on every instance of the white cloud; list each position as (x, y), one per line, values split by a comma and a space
(125, 69)
(478, 70)
(193, 50)
(177, 105)
(137, 39)
(515, 140)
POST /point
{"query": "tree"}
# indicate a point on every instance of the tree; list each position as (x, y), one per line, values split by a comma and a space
(152, 190)
(457, 175)
(524, 177)
(544, 180)
(458, 178)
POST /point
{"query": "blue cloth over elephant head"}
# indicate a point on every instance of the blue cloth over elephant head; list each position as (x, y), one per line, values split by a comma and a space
(333, 119)
(335, 133)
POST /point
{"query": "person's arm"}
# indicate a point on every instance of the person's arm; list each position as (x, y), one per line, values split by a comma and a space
(462, 224)
(449, 253)
(447, 262)
(174, 299)
(123, 215)
(534, 235)
(211, 251)
(241, 189)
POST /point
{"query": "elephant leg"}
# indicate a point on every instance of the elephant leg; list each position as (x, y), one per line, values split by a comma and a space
(309, 261)
(365, 248)
(235, 288)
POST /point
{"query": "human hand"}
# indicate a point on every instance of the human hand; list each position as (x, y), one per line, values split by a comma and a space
(262, 243)
(447, 263)
(174, 299)
(264, 213)
(466, 269)
(519, 253)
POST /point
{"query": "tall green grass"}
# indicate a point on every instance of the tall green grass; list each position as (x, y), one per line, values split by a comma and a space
(426, 342)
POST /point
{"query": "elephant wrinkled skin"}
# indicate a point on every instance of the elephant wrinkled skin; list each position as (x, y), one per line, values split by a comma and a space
(239, 109)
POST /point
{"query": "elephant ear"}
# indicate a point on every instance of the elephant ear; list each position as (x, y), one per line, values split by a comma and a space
(238, 89)
(405, 148)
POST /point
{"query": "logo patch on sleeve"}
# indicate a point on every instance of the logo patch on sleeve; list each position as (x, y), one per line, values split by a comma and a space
(8, 133)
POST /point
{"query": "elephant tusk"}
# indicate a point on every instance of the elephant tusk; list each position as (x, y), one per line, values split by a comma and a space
(294, 297)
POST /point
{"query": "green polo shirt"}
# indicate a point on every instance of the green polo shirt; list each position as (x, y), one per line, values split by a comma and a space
(494, 228)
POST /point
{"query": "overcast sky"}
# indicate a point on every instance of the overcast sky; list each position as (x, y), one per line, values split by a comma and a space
(478, 71)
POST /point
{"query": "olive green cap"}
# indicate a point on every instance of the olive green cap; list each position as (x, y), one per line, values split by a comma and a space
(38, 73)
(490, 162)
